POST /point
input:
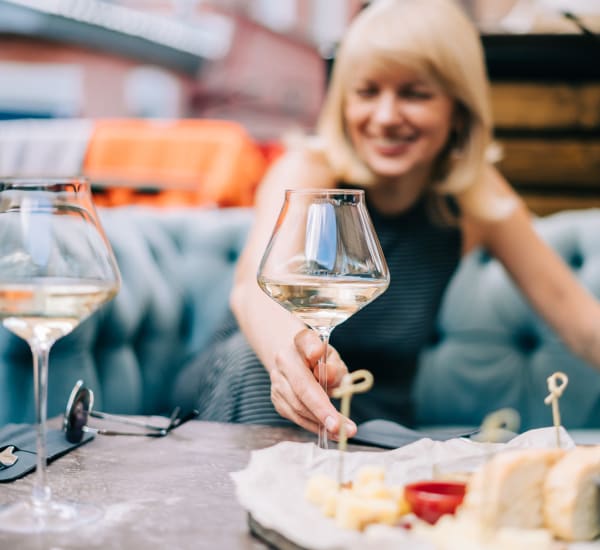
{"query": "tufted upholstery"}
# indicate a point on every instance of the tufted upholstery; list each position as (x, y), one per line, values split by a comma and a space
(494, 351)
(177, 268)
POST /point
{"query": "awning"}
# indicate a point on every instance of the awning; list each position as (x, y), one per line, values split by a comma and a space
(148, 37)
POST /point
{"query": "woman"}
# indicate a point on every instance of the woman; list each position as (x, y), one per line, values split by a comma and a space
(406, 118)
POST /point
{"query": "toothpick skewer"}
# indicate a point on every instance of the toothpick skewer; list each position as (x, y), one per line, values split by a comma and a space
(557, 384)
(7, 457)
(496, 425)
(358, 381)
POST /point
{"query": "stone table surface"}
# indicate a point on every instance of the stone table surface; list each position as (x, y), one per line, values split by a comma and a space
(173, 492)
(169, 493)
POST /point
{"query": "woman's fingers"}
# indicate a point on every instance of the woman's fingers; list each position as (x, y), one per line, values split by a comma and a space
(309, 345)
(284, 398)
(311, 348)
(305, 419)
(293, 383)
(289, 407)
(298, 396)
(336, 369)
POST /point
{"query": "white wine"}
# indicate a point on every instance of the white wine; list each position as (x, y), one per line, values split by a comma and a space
(323, 302)
(48, 309)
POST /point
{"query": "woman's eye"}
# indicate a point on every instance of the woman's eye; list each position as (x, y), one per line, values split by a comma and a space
(416, 93)
(369, 91)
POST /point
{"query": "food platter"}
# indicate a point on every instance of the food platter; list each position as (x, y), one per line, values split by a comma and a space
(272, 488)
(271, 536)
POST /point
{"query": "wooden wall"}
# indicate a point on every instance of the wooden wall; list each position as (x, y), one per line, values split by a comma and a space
(547, 118)
(549, 134)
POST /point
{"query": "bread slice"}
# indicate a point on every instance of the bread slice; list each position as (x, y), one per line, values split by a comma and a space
(572, 495)
(507, 491)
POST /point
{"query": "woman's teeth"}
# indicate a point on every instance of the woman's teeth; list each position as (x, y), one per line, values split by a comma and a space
(387, 142)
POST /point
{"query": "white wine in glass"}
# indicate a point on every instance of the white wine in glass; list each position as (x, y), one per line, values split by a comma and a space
(56, 269)
(323, 262)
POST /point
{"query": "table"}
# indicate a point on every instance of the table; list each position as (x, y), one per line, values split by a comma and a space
(173, 492)
(168, 493)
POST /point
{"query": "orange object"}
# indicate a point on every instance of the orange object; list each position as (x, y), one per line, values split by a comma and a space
(429, 500)
(170, 162)
(271, 150)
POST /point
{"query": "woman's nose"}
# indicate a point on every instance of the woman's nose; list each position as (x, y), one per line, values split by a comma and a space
(387, 109)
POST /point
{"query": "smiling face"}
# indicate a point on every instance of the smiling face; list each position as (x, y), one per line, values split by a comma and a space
(397, 120)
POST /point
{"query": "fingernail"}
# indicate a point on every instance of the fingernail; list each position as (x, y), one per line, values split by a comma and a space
(351, 428)
(330, 424)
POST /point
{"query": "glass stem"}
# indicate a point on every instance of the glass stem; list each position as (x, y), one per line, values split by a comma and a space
(324, 334)
(41, 352)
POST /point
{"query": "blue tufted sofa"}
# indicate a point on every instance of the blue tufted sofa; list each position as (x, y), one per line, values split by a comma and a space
(494, 351)
(177, 268)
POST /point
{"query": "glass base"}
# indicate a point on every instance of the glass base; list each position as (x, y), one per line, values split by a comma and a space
(53, 516)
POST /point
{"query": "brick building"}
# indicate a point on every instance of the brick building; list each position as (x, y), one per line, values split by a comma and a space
(258, 62)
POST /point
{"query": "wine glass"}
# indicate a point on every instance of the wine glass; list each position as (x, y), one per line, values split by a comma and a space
(323, 262)
(56, 268)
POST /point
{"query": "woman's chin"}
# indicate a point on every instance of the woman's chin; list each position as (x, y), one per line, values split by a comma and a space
(389, 173)
(388, 167)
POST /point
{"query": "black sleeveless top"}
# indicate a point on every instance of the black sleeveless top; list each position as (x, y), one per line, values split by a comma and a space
(387, 335)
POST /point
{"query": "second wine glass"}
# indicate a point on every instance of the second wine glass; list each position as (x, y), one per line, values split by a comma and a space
(323, 262)
(56, 269)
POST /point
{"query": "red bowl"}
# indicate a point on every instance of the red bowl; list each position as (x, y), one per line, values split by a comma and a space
(429, 500)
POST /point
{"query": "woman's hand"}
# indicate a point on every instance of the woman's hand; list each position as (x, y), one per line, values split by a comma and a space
(295, 390)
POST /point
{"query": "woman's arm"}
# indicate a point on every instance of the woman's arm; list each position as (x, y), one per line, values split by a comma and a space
(543, 277)
(281, 341)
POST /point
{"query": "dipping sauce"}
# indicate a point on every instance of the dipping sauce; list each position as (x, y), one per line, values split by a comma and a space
(429, 500)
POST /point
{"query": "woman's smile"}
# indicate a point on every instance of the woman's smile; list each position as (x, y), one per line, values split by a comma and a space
(391, 147)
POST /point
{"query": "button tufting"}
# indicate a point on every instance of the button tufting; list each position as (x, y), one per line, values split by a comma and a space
(484, 257)
(527, 341)
(436, 337)
(576, 260)
(232, 255)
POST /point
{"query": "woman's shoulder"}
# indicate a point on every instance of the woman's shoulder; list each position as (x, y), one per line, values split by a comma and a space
(489, 199)
(308, 150)
(303, 164)
(487, 207)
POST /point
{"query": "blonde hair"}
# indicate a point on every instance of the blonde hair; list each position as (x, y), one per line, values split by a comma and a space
(436, 38)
